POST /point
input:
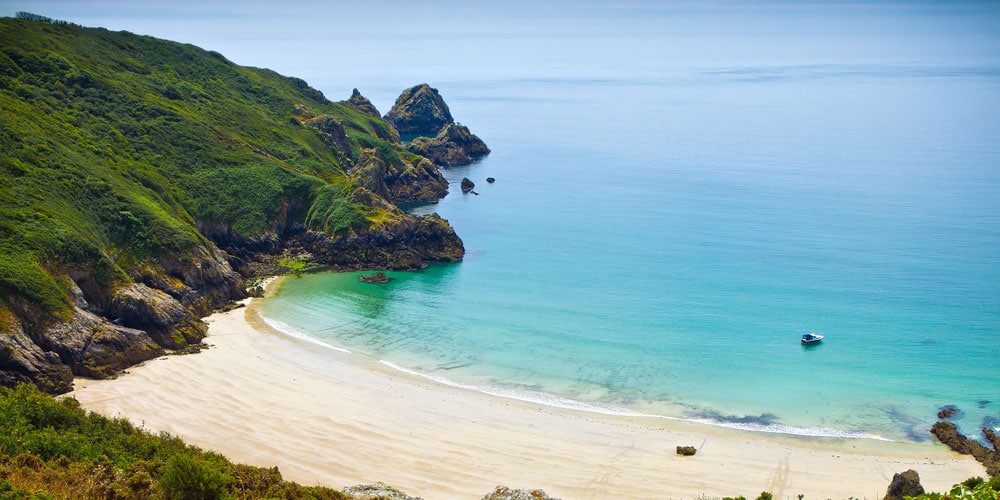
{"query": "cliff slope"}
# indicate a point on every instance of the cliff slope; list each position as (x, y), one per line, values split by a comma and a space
(139, 177)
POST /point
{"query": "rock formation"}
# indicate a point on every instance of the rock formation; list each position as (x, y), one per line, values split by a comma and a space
(505, 493)
(419, 110)
(947, 433)
(376, 491)
(904, 484)
(453, 146)
(467, 185)
(362, 104)
(376, 278)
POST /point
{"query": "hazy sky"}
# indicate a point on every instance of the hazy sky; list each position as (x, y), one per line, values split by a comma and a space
(336, 44)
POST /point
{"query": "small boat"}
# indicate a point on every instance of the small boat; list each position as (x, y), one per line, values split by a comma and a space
(812, 338)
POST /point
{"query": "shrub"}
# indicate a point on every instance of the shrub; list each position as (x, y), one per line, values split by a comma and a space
(187, 478)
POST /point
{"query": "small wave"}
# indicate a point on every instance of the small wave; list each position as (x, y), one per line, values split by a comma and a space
(290, 331)
(565, 403)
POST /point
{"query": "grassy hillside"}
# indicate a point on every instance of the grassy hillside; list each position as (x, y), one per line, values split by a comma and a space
(113, 145)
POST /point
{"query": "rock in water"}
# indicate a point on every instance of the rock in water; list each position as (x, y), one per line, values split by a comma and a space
(948, 411)
(490, 180)
(467, 185)
(904, 484)
(419, 110)
(377, 278)
(947, 433)
(453, 146)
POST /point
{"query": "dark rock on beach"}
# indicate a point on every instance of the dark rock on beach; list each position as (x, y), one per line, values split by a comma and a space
(947, 433)
(686, 451)
(505, 493)
(904, 484)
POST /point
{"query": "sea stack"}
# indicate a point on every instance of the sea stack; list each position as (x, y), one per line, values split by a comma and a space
(421, 111)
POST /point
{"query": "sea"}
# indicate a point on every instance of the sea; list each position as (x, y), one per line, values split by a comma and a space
(682, 190)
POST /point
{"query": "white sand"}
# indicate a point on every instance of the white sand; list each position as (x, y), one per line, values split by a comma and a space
(337, 419)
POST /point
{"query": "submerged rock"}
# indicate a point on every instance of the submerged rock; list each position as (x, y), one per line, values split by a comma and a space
(948, 411)
(904, 484)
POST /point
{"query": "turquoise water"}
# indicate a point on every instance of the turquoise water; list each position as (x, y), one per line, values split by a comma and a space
(682, 191)
(659, 245)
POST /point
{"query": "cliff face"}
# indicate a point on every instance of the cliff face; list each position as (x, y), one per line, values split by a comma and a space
(141, 179)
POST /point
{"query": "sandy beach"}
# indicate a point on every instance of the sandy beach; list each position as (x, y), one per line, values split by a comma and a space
(336, 418)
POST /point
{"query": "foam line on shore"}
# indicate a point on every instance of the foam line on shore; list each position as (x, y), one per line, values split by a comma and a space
(545, 399)
(291, 331)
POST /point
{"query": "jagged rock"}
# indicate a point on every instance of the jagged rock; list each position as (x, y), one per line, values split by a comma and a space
(505, 493)
(398, 182)
(947, 411)
(377, 278)
(947, 433)
(22, 361)
(419, 110)
(94, 347)
(331, 131)
(467, 185)
(453, 146)
(904, 484)
(686, 451)
(167, 321)
(490, 180)
(377, 491)
(362, 104)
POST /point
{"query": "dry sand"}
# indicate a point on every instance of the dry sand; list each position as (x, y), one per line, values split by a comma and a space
(337, 419)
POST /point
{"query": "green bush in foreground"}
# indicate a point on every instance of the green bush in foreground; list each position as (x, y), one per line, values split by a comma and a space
(53, 447)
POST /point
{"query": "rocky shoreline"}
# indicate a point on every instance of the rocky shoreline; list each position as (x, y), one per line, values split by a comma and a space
(112, 326)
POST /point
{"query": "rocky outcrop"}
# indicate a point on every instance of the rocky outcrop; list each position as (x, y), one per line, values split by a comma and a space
(947, 433)
(163, 317)
(23, 361)
(419, 110)
(362, 104)
(904, 484)
(377, 491)
(401, 242)
(505, 493)
(453, 146)
(397, 181)
(467, 185)
(331, 131)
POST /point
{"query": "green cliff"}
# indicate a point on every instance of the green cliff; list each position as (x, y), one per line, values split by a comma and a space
(142, 179)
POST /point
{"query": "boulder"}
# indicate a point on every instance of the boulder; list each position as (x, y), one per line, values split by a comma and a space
(376, 491)
(904, 484)
(419, 110)
(505, 493)
(686, 451)
(467, 185)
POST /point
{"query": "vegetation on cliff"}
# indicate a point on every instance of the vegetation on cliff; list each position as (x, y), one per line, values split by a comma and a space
(128, 162)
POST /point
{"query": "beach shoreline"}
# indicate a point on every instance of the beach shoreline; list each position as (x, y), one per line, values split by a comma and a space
(330, 417)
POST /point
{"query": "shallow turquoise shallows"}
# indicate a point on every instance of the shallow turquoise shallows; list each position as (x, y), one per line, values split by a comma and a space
(657, 241)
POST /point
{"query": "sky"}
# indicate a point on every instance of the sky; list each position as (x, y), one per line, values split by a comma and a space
(336, 45)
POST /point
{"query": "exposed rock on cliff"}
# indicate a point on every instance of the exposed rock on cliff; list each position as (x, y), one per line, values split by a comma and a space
(904, 484)
(362, 104)
(399, 182)
(453, 146)
(419, 110)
